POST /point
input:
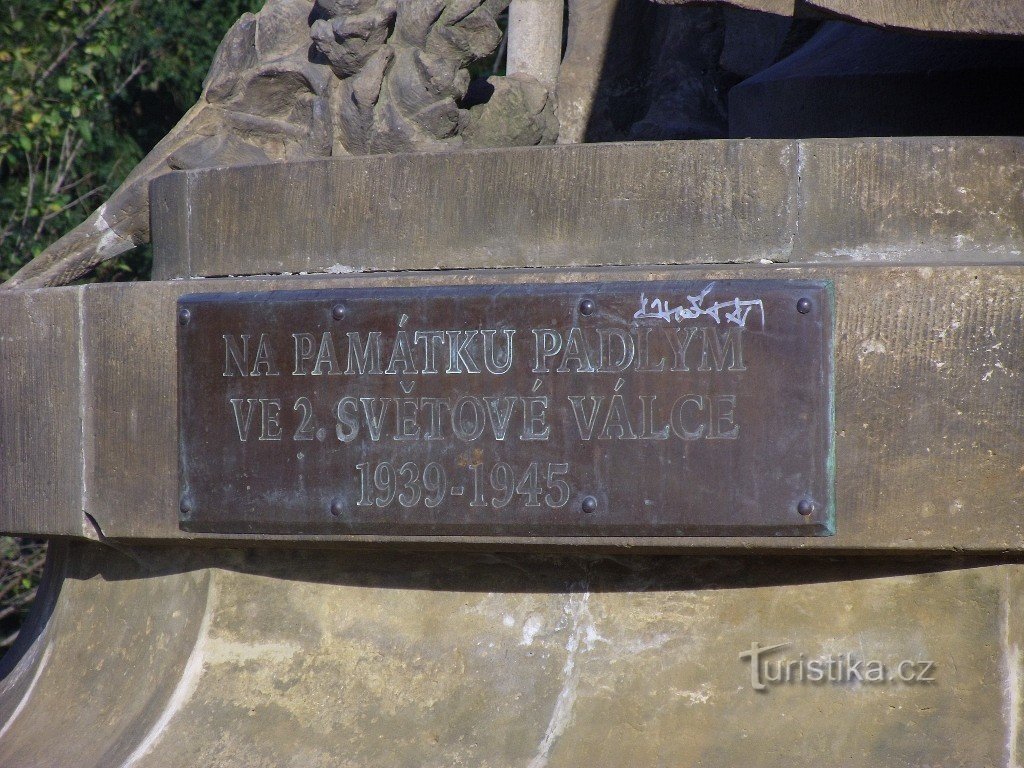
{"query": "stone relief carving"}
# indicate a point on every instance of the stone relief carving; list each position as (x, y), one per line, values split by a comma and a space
(302, 79)
(305, 79)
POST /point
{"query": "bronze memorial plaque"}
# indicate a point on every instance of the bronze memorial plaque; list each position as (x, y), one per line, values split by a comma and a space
(698, 408)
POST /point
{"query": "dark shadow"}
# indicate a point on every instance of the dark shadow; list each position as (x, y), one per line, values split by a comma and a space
(853, 80)
(711, 71)
(462, 570)
(667, 70)
(42, 606)
(468, 571)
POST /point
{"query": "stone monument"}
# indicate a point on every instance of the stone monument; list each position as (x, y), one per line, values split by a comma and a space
(531, 420)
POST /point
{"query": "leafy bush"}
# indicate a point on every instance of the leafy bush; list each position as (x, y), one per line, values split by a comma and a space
(87, 87)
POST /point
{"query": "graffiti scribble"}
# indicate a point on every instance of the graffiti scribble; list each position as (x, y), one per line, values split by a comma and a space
(659, 309)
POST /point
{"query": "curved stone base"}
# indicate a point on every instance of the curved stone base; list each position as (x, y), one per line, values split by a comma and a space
(277, 657)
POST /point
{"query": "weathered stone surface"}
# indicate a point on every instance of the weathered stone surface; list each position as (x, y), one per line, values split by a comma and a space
(281, 657)
(864, 200)
(901, 200)
(928, 417)
(589, 29)
(598, 204)
(40, 361)
(535, 39)
(404, 76)
(112, 671)
(517, 112)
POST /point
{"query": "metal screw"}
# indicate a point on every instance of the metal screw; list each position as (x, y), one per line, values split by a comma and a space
(803, 306)
(337, 507)
(184, 316)
(186, 507)
(338, 312)
(805, 507)
(587, 307)
(589, 504)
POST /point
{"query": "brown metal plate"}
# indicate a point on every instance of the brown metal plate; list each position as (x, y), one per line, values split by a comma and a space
(591, 410)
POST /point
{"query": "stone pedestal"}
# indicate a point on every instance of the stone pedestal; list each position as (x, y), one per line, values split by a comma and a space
(898, 638)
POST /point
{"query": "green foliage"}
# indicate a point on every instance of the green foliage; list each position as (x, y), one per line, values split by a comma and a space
(21, 568)
(87, 87)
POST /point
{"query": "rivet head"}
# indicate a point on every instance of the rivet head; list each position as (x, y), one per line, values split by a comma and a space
(803, 306)
(184, 316)
(589, 504)
(338, 313)
(587, 307)
(805, 507)
(337, 507)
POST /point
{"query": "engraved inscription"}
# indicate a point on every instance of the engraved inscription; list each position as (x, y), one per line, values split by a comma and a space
(511, 415)
(500, 410)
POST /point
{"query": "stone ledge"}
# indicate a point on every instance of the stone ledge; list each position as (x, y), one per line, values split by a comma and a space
(896, 200)
(929, 428)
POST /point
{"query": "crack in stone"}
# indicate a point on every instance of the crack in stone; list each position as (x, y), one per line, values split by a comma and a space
(581, 627)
